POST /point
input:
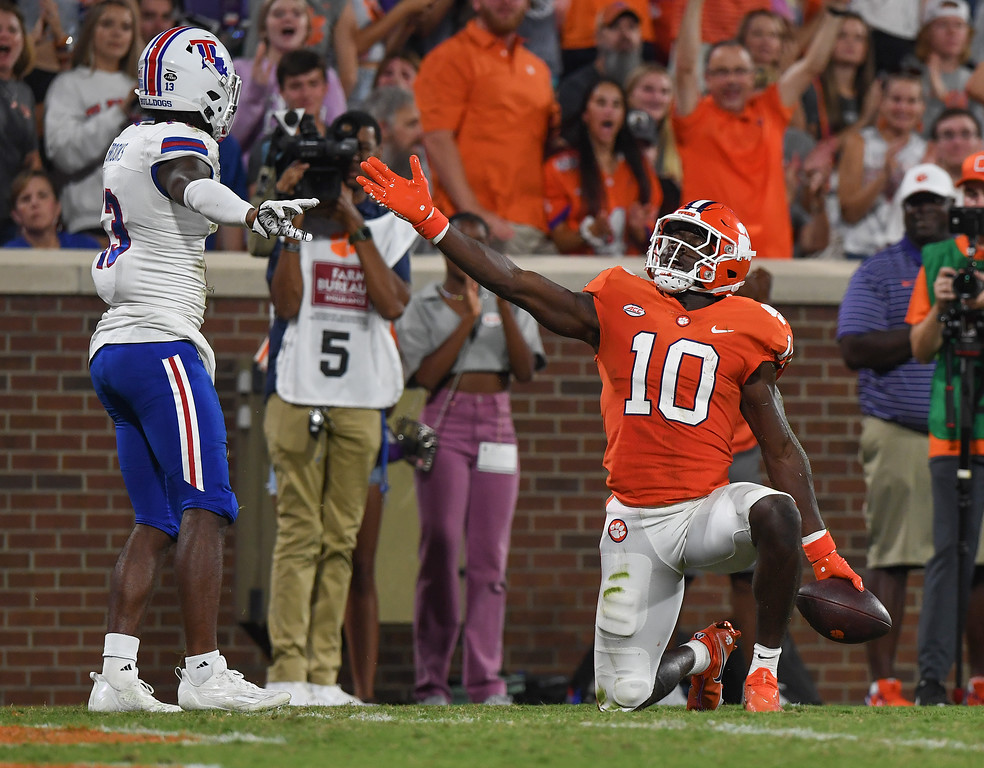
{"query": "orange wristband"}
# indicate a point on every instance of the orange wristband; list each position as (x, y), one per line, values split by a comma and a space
(434, 226)
(819, 549)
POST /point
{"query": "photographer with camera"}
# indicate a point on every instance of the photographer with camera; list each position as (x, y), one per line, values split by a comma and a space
(463, 345)
(894, 394)
(946, 315)
(336, 370)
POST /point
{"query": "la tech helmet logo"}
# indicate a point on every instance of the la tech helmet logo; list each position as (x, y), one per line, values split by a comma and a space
(208, 51)
(617, 530)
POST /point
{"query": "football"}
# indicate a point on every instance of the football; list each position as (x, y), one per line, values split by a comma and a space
(835, 609)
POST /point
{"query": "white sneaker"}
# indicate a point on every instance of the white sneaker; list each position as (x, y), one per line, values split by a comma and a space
(138, 696)
(499, 700)
(226, 689)
(300, 692)
(435, 700)
(331, 696)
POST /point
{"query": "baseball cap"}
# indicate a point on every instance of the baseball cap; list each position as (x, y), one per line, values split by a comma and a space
(941, 9)
(972, 168)
(614, 11)
(925, 177)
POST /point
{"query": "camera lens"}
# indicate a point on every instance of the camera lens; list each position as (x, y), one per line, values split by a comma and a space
(966, 284)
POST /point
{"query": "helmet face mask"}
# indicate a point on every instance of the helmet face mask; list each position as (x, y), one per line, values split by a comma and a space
(702, 247)
(187, 69)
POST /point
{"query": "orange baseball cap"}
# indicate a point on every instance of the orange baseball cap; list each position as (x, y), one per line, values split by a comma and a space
(614, 11)
(972, 168)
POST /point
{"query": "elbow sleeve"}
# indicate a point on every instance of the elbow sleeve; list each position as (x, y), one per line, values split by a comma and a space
(216, 202)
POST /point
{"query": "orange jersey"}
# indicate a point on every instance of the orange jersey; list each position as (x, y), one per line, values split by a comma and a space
(737, 160)
(671, 385)
(564, 204)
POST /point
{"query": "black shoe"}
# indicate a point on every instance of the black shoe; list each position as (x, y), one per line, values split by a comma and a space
(931, 693)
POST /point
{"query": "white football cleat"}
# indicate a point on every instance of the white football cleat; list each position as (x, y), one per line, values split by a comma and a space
(226, 689)
(137, 696)
(331, 696)
(300, 692)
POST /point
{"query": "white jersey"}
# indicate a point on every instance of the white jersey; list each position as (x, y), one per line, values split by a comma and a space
(153, 273)
(339, 351)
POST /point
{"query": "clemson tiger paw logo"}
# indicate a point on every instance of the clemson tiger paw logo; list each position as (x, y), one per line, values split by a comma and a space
(617, 530)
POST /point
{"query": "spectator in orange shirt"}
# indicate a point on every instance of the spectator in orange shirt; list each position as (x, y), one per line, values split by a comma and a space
(730, 141)
(601, 195)
(488, 109)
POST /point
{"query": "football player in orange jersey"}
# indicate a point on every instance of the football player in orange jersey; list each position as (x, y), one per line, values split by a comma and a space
(679, 356)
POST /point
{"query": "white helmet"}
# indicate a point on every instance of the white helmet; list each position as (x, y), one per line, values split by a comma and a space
(186, 69)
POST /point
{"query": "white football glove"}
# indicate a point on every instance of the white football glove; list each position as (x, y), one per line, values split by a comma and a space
(275, 217)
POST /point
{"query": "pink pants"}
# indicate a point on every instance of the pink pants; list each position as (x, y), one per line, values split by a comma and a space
(456, 501)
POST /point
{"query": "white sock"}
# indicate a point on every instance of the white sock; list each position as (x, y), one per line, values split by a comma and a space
(702, 656)
(765, 658)
(120, 658)
(200, 668)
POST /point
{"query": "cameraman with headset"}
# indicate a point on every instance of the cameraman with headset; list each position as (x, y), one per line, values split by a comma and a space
(335, 372)
(946, 315)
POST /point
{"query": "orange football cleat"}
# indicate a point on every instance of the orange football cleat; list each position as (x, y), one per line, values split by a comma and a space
(705, 688)
(886, 692)
(975, 692)
(762, 692)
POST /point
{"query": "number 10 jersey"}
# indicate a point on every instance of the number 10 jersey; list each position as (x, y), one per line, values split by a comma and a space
(671, 384)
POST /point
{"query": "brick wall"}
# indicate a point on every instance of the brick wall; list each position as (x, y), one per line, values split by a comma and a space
(66, 514)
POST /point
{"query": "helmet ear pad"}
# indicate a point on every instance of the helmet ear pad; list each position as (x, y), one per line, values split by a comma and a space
(722, 260)
(186, 69)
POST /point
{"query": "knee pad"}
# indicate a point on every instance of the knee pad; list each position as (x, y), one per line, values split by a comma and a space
(622, 678)
(624, 593)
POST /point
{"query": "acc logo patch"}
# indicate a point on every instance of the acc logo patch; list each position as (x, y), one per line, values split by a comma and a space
(633, 310)
(617, 530)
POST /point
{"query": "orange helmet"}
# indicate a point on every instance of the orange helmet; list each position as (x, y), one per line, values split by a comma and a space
(722, 259)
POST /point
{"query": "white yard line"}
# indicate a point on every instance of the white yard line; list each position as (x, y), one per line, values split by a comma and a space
(796, 733)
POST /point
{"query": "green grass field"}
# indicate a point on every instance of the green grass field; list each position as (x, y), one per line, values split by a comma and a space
(470, 736)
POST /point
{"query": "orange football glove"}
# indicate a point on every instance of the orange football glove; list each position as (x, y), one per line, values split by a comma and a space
(408, 199)
(826, 563)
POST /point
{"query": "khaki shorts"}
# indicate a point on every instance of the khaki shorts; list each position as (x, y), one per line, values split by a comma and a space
(899, 506)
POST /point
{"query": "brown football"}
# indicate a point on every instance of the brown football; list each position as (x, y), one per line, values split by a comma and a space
(835, 609)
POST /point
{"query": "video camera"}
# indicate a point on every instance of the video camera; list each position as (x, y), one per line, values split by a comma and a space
(969, 222)
(330, 161)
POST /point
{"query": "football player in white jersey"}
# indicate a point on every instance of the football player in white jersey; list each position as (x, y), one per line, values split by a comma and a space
(153, 370)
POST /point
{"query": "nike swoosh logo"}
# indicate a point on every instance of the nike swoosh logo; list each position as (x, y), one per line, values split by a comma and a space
(715, 329)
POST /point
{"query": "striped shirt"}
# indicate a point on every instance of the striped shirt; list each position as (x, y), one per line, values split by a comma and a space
(877, 299)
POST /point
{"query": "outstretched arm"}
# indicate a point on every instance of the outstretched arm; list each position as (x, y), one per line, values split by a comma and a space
(789, 470)
(562, 311)
(686, 81)
(188, 181)
(794, 81)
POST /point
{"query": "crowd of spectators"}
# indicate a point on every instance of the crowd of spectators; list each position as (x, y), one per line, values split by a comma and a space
(490, 140)
(564, 125)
